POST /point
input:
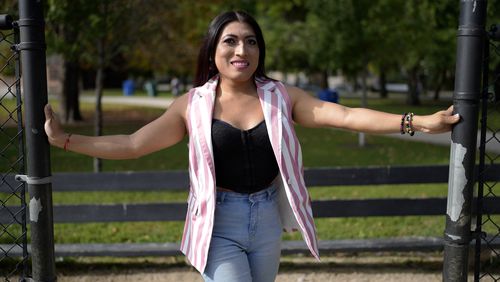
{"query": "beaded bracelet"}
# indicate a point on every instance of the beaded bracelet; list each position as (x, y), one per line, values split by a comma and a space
(402, 128)
(66, 143)
(409, 124)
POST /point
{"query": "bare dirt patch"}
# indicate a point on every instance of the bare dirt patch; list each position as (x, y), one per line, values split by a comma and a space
(375, 267)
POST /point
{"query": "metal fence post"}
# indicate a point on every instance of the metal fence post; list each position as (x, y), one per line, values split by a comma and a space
(33, 65)
(470, 42)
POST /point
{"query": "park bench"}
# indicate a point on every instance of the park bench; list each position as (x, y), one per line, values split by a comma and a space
(314, 177)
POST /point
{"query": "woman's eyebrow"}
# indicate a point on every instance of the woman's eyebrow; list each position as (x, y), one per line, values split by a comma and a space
(234, 35)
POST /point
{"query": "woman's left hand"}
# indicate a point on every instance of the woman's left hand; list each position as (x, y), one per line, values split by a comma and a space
(438, 122)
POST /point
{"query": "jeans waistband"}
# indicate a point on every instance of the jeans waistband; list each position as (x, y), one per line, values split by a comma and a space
(262, 195)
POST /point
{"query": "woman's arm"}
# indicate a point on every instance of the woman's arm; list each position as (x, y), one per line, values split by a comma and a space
(165, 131)
(312, 112)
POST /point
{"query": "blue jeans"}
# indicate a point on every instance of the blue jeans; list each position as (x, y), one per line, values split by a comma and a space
(246, 239)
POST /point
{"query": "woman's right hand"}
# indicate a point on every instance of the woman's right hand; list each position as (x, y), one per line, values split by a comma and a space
(53, 128)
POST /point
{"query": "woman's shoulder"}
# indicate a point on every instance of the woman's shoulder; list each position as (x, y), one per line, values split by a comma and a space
(290, 89)
(180, 104)
(266, 82)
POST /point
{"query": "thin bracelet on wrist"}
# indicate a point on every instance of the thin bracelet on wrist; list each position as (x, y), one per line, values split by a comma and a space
(66, 143)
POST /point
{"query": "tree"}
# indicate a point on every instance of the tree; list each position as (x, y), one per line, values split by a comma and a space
(93, 33)
(9, 7)
(7, 65)
(168, 40)
(383, 26)
(110, 29)
(440, 61)
(343, 40)
(493, 17)
(66, 22)
(283, 25)
(417, 22)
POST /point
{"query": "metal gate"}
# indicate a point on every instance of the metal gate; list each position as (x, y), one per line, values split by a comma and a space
(487, 258)
(13, 231)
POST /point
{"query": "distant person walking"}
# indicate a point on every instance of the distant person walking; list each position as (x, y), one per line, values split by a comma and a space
(245, 161)
(175, 86)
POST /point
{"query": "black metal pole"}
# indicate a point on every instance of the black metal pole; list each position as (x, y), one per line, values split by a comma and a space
(33, 66)
(22, 157)
(457, 235)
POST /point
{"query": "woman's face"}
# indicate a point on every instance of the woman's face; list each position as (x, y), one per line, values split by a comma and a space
(237, 52)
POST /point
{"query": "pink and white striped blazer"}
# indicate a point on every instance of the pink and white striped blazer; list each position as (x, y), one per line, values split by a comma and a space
(295, 205)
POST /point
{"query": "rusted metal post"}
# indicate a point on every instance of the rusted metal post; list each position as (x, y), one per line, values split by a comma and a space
(33, 67)
(457, 235)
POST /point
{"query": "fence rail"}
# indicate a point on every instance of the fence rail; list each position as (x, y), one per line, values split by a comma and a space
(176, 180)
(401, 244)
(322, 208)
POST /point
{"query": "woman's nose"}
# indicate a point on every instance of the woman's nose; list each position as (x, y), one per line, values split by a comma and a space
(240, 49)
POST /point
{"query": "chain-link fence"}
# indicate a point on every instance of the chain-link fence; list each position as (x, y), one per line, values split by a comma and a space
(13, 231)
(487, 258)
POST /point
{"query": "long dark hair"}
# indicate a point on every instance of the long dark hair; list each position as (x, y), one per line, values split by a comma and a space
(206, 68)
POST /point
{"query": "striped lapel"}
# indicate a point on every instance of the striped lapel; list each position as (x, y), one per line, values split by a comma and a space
(203, 122)
(271, 107)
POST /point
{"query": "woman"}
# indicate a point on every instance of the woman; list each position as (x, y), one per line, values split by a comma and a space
(245, 164)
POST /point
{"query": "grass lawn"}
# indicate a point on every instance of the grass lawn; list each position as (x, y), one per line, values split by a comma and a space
(321, 148)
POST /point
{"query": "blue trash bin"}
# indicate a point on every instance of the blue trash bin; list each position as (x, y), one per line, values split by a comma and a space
(128, 87)
(328, 95)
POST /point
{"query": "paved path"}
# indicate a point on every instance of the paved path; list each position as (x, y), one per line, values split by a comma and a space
(492, 145)
(154, 102)
(161, 102)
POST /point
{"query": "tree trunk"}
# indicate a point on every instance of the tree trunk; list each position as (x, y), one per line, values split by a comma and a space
(441, 80)
(383, 82)
(413, 87)
(98, 102)
(364, 104)
(70, 104)
(324, 80)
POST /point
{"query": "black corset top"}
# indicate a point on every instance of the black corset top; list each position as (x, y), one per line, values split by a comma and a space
(244, 159)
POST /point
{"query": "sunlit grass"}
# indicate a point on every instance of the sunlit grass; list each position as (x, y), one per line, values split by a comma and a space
(321, 148)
